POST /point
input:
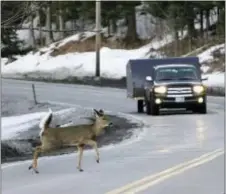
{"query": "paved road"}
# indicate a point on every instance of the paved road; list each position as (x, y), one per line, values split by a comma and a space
(168, 141)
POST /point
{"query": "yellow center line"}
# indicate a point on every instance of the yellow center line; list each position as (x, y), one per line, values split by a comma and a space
(151, 180)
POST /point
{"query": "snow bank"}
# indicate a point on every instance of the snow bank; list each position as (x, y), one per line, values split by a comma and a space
(113, 62)
(207, 55)
(12, 126)
(215, 80)
(3, 61)
(77, 37)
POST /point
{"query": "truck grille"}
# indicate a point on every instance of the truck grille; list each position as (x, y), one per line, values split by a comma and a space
(179, 91)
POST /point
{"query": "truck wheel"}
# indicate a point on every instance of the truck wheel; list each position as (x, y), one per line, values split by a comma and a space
(148, 108)
(154, 109)
(140, 106)
(202, 109)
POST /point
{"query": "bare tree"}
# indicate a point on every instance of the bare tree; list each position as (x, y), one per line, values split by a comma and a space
(49, 35)
(61, 20)
(14, 12)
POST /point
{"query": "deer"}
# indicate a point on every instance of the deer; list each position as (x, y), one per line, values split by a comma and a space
(53, 138)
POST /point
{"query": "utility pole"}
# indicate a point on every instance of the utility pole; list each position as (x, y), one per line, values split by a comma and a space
(98, 37)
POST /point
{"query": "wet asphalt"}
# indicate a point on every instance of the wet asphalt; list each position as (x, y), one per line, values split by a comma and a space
(168, 140)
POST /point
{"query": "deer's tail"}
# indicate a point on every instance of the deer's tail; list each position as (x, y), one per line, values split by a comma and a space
(46, 120)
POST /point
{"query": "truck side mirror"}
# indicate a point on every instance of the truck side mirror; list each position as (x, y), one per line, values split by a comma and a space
(204, 78)
(148, 78)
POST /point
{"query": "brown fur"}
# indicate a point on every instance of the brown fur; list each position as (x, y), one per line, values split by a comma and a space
(79, 136)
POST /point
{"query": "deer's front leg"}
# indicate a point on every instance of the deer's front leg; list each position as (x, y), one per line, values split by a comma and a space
(94, 145)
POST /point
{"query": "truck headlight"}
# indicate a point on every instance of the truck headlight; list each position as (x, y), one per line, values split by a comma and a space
(198, 89)
(160, 89)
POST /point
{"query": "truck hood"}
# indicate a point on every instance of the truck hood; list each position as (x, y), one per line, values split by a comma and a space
(186, 82)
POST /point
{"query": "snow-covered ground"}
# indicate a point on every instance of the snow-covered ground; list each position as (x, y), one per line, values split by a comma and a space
(13, 125)
(215, 79)
(20, 133)
(207, 57)
(113, 62)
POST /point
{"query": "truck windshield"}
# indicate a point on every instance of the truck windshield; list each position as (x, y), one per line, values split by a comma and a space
(176, 73)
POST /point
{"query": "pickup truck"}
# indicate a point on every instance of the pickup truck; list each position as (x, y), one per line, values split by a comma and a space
(166, 83)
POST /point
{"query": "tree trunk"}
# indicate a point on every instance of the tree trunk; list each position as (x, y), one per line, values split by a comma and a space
(61, 23)
(207, 23)
(31, 32)
(191, 29)
(191, 32)
(131, 34)
(82, 28)
(201, 27)
(109, 27)
(182, 32)
(114, 26)
(40, 27)
(218, 13)
(49, 34)
(176, 37)
(218, 23)
(201, 23)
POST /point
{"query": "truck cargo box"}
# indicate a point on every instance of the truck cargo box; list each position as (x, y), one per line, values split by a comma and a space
(138, 69)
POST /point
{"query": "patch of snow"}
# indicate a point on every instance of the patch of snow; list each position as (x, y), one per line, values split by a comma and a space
(113, 62)
(205, 68)
(77, 37)
(4, 61)
(207, 54)
(215, 80)
(11, 126)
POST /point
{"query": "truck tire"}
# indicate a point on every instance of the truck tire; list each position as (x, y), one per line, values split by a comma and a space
(140, 106)
(148, 108)
(151, 108)
(202, 109)
(154, 109)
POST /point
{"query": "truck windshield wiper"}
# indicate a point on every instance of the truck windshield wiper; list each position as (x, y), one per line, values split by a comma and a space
(186, 78)
(165, 79)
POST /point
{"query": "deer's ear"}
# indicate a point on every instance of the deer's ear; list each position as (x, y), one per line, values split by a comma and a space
(96, 112)
(101, 112)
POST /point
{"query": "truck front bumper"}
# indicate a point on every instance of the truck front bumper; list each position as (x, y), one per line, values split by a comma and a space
(179, 101)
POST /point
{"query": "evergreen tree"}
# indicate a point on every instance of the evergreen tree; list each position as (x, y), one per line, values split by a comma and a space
(12, 15)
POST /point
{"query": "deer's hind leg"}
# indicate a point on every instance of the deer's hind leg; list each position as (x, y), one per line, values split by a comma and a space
(80, 150)
(34, 164)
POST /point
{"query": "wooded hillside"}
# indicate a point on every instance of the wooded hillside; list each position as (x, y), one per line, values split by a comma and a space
(48, 21)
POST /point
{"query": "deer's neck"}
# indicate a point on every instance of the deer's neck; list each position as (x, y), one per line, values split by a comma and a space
(97, 129)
